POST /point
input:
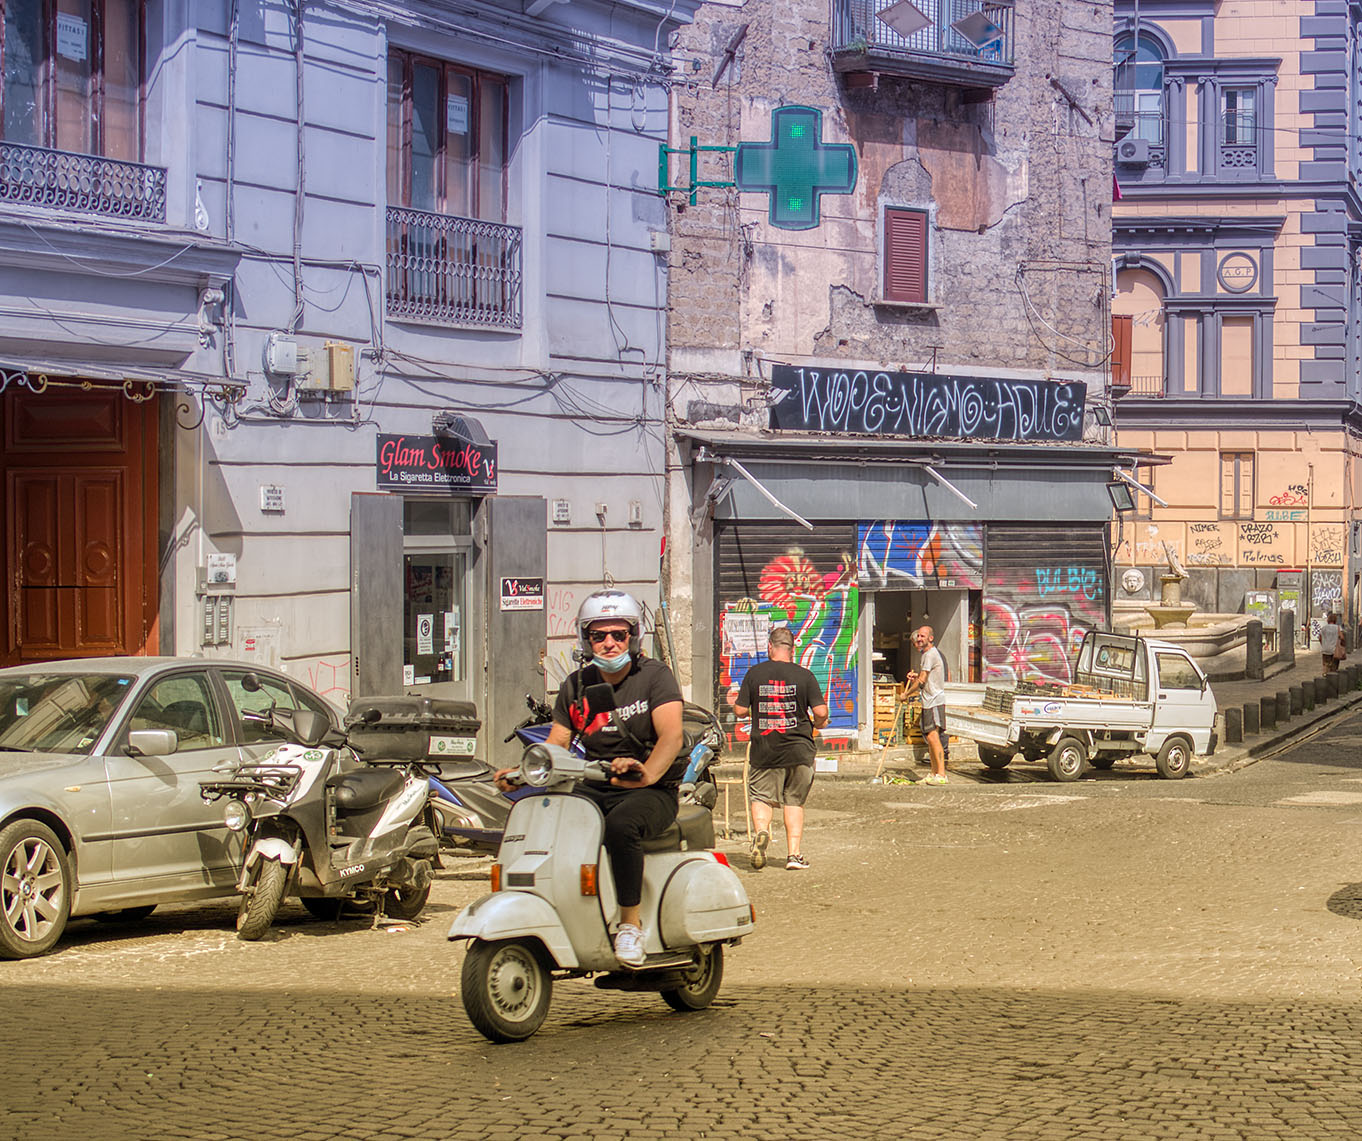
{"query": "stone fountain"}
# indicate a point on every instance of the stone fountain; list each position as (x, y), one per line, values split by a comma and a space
(1170, 610)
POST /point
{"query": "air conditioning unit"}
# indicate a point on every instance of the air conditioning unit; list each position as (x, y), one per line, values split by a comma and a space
(1132, 152)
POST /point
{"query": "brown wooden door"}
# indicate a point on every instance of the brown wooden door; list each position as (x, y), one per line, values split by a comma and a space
(79, 559)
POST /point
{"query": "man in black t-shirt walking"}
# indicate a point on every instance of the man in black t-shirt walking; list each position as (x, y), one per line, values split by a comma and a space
(787, 705)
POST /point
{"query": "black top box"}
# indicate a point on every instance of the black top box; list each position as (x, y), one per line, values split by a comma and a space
(412, 729)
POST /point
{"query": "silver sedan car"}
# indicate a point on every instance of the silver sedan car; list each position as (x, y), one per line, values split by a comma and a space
(100, 764)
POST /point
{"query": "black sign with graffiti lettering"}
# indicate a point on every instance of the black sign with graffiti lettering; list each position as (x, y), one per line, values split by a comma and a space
(436, 463)
(915, 404)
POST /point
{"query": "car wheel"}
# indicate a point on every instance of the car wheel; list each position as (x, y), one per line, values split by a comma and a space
(702, 982)
(35, 889)
(506, 987)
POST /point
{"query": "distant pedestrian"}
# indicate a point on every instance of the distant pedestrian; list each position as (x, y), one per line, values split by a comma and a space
(929, 680)
(787, 705)
(1333, 643)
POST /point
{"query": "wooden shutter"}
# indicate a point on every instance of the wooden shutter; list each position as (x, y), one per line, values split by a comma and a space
(1121, 335)
(905, 255)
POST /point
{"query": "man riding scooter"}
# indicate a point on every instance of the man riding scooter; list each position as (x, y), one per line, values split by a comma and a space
(640, 740)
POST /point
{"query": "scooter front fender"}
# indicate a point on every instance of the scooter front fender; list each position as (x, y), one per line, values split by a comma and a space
(516, 915)
(271, 848)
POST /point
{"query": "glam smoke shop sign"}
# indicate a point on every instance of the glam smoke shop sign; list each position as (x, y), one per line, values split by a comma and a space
(436, 463)
(924, 404)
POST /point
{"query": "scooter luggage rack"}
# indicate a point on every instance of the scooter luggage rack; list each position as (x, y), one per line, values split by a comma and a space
(275, 781)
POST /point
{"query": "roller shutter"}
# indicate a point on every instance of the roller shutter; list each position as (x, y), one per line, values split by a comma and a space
(779, 574)
(1044, 588)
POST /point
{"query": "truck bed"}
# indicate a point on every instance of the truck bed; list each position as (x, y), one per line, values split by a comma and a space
(967, 716)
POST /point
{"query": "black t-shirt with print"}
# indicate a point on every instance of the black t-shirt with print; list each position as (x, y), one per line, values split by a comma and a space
(780, 695)
(647, 685)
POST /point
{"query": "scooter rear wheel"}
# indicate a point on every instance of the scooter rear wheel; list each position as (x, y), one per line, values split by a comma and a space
(506, 987)
(702, 984)
(405, 902)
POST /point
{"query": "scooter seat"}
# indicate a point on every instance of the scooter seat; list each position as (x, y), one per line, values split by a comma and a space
(692, 830)
(364, 788)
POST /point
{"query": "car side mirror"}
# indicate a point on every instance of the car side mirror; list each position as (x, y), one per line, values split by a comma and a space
(152, 742)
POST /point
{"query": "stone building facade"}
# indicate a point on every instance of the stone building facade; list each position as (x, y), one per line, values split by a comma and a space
(971, 251)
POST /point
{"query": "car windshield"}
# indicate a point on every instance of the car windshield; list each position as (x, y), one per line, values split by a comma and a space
(57, 713)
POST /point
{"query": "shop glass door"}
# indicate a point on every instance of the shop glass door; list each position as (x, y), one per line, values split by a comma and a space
(436, 630)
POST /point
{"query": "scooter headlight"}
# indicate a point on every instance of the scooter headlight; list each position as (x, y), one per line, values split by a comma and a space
(236, 816)
(536, 766)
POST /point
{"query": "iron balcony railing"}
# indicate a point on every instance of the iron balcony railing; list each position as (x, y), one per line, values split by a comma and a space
(62, 180)
(453, 271)
(969, 32)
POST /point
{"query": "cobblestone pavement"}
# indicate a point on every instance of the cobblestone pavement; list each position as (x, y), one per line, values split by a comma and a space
(1114, 959)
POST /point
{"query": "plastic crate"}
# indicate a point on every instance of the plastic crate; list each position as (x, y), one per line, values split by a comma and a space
(413, 729)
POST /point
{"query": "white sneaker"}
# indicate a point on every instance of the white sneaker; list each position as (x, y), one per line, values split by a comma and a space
(629, 945)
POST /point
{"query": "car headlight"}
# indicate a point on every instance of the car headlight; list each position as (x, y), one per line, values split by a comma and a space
(236, 816)
(536, 766)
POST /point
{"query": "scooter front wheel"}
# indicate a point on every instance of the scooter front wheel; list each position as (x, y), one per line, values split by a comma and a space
(506, 988)
(702, 981)
(259, 908)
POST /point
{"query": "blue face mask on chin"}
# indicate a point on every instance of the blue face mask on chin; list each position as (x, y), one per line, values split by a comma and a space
(613, 665)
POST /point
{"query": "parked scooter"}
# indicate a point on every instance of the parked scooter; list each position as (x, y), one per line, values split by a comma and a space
(319, 822)
(553, 906)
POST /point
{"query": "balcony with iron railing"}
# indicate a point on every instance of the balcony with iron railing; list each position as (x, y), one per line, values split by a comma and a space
(63, 180)
(453, 271)
(958, 43)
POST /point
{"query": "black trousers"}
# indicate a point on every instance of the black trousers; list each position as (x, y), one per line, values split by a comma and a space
(632, 815)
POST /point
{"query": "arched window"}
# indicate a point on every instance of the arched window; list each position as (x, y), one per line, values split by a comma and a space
(1140, 297)
(1139, 87)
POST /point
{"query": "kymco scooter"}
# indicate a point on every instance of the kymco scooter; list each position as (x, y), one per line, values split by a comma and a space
(553, 906)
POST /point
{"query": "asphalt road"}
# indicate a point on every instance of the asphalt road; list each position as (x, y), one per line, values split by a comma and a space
(1121, 957)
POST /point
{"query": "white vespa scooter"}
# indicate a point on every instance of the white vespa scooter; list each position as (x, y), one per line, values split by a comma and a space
(553, 906)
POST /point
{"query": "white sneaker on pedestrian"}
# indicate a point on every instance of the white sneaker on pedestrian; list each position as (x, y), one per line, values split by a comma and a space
(932, 778)
(629, 945)
(796, 863)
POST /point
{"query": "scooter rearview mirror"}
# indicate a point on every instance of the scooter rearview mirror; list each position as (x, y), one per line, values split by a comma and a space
(600, 697)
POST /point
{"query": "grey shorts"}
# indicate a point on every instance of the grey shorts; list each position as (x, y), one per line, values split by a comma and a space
(934, 717)
(781, 787)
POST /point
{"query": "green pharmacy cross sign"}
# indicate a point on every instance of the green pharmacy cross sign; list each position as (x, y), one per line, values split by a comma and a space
(795, 168)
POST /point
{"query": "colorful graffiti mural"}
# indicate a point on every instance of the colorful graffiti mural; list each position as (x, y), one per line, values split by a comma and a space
(820, 607)
(1034, 621)
(920, 554)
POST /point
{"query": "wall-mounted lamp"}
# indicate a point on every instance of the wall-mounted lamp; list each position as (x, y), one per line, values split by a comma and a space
(1102, 414)
(1121, 497)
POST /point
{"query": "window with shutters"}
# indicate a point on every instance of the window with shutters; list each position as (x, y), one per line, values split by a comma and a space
(1236, 485)
(905, 256)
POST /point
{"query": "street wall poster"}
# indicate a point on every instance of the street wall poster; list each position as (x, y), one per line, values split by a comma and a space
(522, 594)
(914, 404)
(435, 463)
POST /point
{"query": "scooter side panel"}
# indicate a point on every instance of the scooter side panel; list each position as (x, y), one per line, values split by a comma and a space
(515, 915)
(703, 902)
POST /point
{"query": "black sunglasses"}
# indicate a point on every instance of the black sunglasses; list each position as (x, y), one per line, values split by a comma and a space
(596, 637)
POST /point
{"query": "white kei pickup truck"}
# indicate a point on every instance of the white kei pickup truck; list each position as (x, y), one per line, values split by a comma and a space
(1130, 695)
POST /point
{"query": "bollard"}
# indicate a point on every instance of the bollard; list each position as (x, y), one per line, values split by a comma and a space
(1267, 712)
(1250, 718)
(1234, 726)
(1308, 694)
(1332, 680)
(1286, 636)
(1253, 651)
(1297, 696)
(1283, 706)
(1321, 690)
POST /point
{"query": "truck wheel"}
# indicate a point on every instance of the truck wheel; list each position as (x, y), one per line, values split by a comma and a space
(1175, 759)
(506, 987)
(1067, 759)
(1103, 761)
(994, 758)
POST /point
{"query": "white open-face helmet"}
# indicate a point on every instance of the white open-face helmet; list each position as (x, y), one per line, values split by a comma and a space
(610, 604)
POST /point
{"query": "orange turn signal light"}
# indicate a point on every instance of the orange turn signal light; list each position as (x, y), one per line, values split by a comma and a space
(588, 879)
(495, 876)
